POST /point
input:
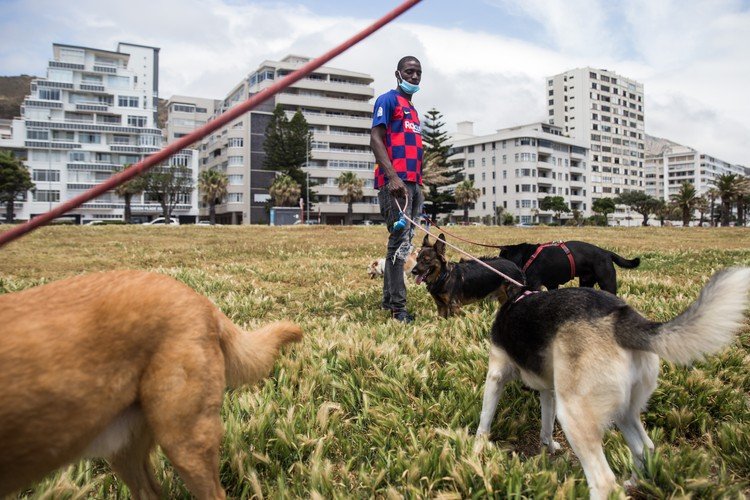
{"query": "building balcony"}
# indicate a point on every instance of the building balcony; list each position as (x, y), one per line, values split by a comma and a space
(341, 154)
(91, 88)
(355, 140)
(99, 108)
(338, 120)
(328, 86)
(544, 166)
(304, 101)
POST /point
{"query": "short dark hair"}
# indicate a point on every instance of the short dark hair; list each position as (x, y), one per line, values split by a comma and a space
(404, 60)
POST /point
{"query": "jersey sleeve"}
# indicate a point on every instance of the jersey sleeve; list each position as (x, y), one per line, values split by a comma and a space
(383, 110)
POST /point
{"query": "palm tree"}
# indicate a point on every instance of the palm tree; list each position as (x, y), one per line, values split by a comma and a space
(701, 205)
(729, 186)
(127, 190)
(685, 200)
(711, 194)
(351, 185)
(466, 194)
(212, 185)
(285, 191)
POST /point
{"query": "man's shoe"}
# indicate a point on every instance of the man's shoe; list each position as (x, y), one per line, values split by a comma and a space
(403, 316)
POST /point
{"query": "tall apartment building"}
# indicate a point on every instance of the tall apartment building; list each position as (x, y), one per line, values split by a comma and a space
(94, 112)
(185, 114)
(605, 113)
(336, 105)
(669, 164)
(516, 167)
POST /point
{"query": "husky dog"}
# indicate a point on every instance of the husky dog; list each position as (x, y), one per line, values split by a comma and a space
(111, 364)
(453, 284)
(553, 264)
(596, 360)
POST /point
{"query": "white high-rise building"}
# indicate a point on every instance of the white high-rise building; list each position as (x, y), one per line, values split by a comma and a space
(604, 111)
(517, 167)
(93, 113)
(669, 165)
(335, 103)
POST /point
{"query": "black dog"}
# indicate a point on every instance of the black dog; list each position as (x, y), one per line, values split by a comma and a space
(554, 264)
(453, 284)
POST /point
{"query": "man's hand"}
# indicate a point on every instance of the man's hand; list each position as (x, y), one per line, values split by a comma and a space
(396, 187)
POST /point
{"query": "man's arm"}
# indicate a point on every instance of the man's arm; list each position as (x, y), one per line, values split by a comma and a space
(377, 142)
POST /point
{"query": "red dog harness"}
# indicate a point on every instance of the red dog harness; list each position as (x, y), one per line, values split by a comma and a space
(564, 248)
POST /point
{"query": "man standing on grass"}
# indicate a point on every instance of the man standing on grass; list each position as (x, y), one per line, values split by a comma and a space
(396, 141)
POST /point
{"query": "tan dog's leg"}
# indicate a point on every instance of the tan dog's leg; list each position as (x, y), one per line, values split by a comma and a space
(182, 392)
(500, 371)
(133, 465)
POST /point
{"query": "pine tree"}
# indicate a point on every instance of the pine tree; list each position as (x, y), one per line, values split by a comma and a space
(287, 145)
(436, 170)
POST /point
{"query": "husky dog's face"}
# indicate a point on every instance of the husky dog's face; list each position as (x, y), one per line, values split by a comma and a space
(430, 260)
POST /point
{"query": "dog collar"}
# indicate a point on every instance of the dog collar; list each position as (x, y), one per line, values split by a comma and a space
(441, 279)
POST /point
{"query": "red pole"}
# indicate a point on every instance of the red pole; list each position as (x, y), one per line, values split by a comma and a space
(189, 139)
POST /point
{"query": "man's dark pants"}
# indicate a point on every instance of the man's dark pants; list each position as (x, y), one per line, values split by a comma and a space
(399, 243)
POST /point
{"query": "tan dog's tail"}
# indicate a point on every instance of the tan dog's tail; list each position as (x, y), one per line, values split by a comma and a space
(249, 356)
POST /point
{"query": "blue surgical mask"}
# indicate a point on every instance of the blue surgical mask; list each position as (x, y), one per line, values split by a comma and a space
(407, 87)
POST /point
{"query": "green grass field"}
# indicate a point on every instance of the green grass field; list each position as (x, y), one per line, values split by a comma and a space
(366, 407)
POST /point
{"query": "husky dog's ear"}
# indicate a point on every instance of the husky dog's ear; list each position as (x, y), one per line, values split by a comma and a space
(426, 240)
(440, 245)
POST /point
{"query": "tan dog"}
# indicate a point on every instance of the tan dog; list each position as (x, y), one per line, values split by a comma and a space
(377, 267)
(110, 364)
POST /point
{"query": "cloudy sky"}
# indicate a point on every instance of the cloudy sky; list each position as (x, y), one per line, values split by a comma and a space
(483, 60)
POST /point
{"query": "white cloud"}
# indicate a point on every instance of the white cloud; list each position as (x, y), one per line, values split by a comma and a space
(690, 55)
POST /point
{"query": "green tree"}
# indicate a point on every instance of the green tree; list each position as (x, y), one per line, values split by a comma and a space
(466, 194)
(701, 205)
(639, 202)
(712, 194)
(212, 184)
(685, 200)
(285, 191)
(351, 185)
(436, 170)
(169, 185)
(287, 145)
(127, 190)
(603, 206)
(729, 187)
(554, 204)
(15, 180)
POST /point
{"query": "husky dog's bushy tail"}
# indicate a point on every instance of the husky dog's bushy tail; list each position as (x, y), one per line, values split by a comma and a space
(710, 323)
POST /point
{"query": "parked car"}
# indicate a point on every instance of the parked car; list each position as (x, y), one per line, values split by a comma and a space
(95, 222)
(160, 220)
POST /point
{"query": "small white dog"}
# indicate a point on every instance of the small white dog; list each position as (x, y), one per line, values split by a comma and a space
(377, 267)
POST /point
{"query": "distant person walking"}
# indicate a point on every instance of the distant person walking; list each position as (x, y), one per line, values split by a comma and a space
(396, 141)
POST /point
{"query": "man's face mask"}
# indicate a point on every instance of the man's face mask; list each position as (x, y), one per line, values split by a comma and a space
(407, 87)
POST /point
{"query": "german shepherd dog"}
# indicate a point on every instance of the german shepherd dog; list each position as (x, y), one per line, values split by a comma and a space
(453, 284)
(596, 360)
(110, 364)
(556, 264)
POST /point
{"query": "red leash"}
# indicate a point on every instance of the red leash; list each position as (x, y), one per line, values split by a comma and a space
(564, 248)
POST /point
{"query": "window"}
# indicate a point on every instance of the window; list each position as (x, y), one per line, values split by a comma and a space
(49, 94)
(234, 197)
(126, 101)
(235, 179)
(235, 160)
(37, 134)
(88, 138)
(46, 195)
(46, 175)
(183, 108)
(236, 142)
(136, 121)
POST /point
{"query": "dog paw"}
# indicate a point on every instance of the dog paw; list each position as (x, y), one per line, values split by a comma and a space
(551, 445)
(480, 443)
